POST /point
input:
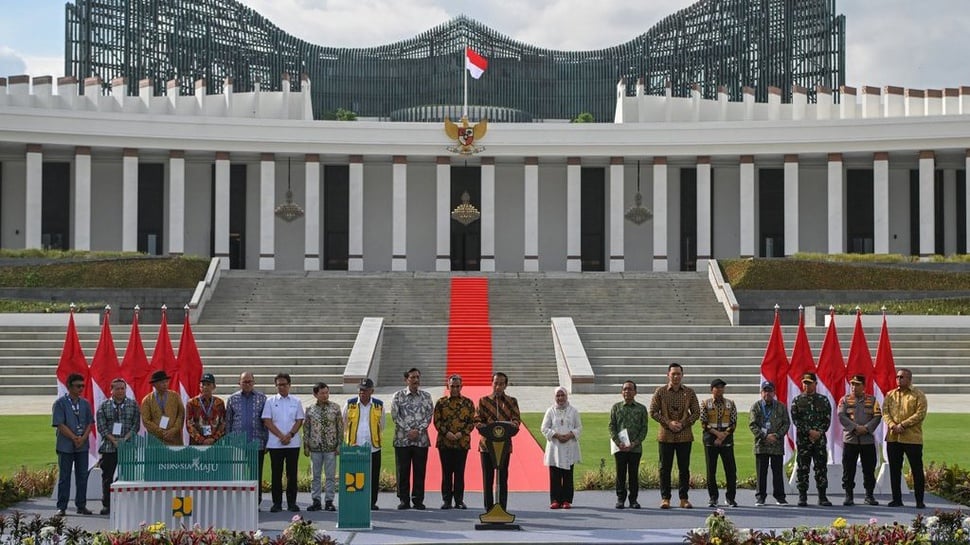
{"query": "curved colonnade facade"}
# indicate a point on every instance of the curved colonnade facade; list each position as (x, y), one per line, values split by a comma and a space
(883, 171)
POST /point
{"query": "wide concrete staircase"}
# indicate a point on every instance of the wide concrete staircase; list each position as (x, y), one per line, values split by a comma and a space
(939, 358)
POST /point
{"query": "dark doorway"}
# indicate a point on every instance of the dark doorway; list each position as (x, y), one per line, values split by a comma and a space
(771, 212)
(914, 230)
(55, 215)
(336, 217)
(961, 211)
(688, 219)
(860, 212)
(151, 208)
(237, 216)
(592, 219)
(466, 240)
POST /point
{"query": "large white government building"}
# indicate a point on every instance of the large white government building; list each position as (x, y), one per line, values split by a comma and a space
(881, 170)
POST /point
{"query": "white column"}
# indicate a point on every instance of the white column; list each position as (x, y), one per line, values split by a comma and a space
(176, 202)
(442, 260)
(399, 214)
(82, 198)
(748, 238)
(267, 203)
(660, 261)
(221, 211)
(616, 214)
(355, 256)
(927, 220)
(836, 205)
(34, 198)
(129, 201)
(488, 214)
(311, 228)
(880, 205)
(574, 210)
(791, 205)
(703, 212)
(949, 211)
(531, 206)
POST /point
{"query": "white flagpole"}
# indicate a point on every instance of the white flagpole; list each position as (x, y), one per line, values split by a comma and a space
(464, 110)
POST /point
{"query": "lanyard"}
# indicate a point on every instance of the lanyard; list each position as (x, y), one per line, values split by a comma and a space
(206, 410)
(161, 401)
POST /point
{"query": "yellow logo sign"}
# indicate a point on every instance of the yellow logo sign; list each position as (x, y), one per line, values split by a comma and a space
(354, 481)
(465, 135)
(182, 506)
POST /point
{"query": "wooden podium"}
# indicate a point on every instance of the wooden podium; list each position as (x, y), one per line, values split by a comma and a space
(498, 445)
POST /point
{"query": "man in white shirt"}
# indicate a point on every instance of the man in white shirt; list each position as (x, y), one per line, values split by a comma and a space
(283, 416)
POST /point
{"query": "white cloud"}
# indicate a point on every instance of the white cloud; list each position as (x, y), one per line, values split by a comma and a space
(11, 62)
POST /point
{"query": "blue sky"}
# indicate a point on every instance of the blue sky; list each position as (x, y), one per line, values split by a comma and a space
(916, 44)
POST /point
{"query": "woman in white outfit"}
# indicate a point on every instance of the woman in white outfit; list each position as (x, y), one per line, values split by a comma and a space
(561, 427)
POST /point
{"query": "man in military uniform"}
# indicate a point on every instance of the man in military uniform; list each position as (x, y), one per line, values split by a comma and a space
(811, 413)
(860, 416)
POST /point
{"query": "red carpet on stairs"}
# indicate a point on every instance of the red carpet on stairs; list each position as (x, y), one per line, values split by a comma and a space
(470, 355)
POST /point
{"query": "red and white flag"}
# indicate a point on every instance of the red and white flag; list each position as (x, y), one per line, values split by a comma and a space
(831, 384)
(860, 358)
(774, 365)
(104, 369)
(884, 379)
(802, 361)
(134, 366)
(163, 357)
(475, 63)
(189, 363)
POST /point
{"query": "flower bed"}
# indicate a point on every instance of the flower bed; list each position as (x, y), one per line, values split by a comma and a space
(943, 528)
(22, 530)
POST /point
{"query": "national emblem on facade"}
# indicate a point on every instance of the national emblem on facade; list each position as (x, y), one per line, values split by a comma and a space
(465, 135)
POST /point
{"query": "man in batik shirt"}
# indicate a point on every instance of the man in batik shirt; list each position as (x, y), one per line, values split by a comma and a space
(205, 414)
(454, 418)
(411, 410)
(322, 434)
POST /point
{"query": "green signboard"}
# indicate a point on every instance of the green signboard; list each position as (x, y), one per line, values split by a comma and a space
(354, 480)
(147, 459)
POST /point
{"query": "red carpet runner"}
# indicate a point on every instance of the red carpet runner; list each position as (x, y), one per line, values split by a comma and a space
(470, 355)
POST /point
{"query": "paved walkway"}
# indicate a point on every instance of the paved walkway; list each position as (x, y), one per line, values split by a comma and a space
(593, 519)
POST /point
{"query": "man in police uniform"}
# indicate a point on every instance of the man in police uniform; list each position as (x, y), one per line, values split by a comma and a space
(860, 416)
(811, 413)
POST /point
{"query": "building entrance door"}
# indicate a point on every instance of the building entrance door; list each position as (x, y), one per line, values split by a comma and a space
(55, 215)
(466, 240)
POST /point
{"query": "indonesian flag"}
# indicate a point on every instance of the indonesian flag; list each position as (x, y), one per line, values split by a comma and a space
(104, 369)
(163, 357)
(475, 63)
(189, 363)
(774, 365)
(860, 359)
(134, 366)
(884, 378)
(802, 362)
(831, 384)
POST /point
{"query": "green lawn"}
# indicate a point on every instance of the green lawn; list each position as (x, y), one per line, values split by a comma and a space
(29, 441)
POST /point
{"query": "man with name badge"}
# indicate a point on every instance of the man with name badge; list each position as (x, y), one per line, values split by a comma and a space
(163, 412)
(118, 420)
(205, 414)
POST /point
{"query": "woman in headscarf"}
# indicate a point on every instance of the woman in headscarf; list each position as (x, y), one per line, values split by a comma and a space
(561, 427)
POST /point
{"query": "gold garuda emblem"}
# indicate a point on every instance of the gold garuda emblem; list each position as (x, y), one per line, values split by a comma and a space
(466, 135)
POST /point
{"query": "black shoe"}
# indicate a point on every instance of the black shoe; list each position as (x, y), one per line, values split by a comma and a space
(620, 505)
(61, 513)
(84, 511)
(460, 505)
(848, 501)
(920, 505)
(870, 500)
(895, 503)
(403, 505)
(374, 507)
(634, 505)
(824, 501)
(275, 508)
(732, 503)
(712, 503)
(329, 506)
(293, 508)
(315, 506)
(782, 501)
(105, 511)
(419, 506)
(445, 506)
(802, 501)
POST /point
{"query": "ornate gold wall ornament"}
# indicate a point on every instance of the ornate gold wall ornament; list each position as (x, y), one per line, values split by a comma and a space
(466, 135)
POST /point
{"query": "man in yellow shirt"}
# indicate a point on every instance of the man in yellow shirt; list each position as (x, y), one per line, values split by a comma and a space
(903, 411)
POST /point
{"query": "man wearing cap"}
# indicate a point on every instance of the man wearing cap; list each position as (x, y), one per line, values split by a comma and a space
(283, 417)
(411, 411)
(364, 421)
(719, 418)
(860, 416)
(811, 413)
(768, 422)
(904, 410)
(244, 414)
(454, 419)
(205, 414)
(162, 411)
(675, 407)
(118, 419)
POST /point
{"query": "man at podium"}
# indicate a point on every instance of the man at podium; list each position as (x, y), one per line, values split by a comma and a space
(496, 407)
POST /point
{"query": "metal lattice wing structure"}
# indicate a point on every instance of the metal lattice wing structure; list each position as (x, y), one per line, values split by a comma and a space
(730, 43)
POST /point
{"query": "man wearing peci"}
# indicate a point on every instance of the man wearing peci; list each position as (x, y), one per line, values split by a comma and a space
(628, 429)
(454, 419)
(497, 407)
(283, 417)
(719, 419)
